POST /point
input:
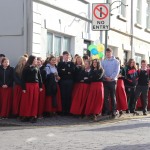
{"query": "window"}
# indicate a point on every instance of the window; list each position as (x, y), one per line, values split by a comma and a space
(148, 17)
(139, 12)
(56, 44)
(122, 8)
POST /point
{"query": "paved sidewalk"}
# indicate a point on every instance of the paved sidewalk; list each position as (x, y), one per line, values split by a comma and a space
(67, 120)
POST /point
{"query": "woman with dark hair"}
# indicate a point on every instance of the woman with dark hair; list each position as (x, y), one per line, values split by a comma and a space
(6, 88)
(53, 97)
(32, 85)
(80, 94)
(121, 96)
(130, 79)
(18, 82)
(95, 98)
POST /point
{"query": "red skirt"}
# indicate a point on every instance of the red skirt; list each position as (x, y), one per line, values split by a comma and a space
(121, 97)
(139, 103)
(41, 101)
(95, 99)
(48, 102)
(16, 99)
(29, 101)
(6, 97)
(79, 100)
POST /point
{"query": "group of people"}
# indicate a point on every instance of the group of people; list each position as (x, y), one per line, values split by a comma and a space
(80, 87)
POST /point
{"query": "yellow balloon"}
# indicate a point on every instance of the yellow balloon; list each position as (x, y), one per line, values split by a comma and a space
(95, 57)
(100, 47)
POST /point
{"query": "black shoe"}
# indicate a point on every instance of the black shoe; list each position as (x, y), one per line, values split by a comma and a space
(33, 120)
(134, 112)
(127, 111)
(24, 119)
(145, 113)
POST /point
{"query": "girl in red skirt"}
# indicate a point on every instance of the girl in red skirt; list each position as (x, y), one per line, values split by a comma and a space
(41, 66)
(32, 85)
(53, 98)
(6, 88)
(95, 99)
(80, 94)
(121, 96)
(17, 88)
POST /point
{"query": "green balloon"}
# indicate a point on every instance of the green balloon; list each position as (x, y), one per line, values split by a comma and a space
(100, 54)
(92, 47)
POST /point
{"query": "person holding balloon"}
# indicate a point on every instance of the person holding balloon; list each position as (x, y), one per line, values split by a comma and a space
(95, 98)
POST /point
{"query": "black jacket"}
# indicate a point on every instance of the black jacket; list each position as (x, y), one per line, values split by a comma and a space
(77, 73)
(66, 70)
(43, 74)
(6, 76)
(84, 77)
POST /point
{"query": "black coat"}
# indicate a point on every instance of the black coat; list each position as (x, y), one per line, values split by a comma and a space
(6, 76)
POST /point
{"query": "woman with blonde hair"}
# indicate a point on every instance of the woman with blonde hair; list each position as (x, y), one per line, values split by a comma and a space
(17, 89)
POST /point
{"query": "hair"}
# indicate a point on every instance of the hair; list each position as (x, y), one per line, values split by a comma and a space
(2, 55)
(79, 57)
(85, 57)
(109, 49)
(39, 59)
(46, 61)
(3, 59)
(19, 67)
(129, 63)
(148, 65)
(118, 60)
(26, 55)
(65, 53)
(143, 61)
(30, 60)
(98, 64)
(76, 55)
(51, 58)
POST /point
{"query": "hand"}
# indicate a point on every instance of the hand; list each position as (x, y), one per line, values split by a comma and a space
(108, 79)
(5, 86)
(41, 89)
(63, 69)
(24, 91)
(119, 76)
(58, 78)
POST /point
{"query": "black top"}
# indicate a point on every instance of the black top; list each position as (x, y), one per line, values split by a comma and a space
(6, 76)
(96, 75)
(31, 74)
(77, 72)
(84, 76)
(43, 74)
(130, 76)
(66, 70)
(143, 77)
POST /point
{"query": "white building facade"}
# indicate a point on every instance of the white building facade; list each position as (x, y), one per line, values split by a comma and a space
(44, 27)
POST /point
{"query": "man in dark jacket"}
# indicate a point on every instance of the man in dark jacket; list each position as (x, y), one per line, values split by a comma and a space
(66, 73)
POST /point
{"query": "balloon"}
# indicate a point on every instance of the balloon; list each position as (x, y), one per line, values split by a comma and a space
(92, 47)
(95, 57)
(100, 47)
(94, 51)
(100, 55)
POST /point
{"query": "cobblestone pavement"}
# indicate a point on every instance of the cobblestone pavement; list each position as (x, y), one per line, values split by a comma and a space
(123, 135)
(130, 134)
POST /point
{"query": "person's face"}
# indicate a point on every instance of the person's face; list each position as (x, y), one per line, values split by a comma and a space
(143, 65)
(87, 65)
(5, 63)
(148, 67)
(132, 63)
(39, 63)
(53, 61)
(34, 62)
(66, 57)
(94, 63)
(108, 54)
(79, 61)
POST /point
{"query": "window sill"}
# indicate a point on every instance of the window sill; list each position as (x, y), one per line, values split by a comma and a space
(138, 26)
(147, 30)
(120, 17)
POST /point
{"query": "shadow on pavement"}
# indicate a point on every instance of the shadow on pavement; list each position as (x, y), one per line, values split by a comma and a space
(129, 147)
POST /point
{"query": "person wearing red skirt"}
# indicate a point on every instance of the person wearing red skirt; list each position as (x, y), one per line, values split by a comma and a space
(53, 97)
(80, 94)
(41, 104)
(6, 88)
(32, 85)
(17, 88)
(95, 98)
